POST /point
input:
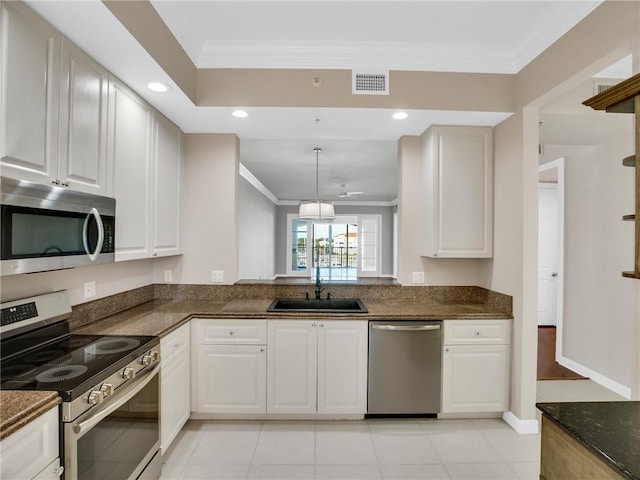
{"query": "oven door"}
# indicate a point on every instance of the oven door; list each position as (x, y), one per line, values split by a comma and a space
(120, 437)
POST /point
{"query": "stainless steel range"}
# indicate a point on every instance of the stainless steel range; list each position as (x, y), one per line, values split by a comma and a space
(108, 384)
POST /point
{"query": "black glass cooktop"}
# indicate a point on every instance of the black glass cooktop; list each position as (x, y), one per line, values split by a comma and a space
(69, 365)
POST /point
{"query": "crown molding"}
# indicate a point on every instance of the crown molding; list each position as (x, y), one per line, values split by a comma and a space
(406, 56)
(257, 184)
(362, 203)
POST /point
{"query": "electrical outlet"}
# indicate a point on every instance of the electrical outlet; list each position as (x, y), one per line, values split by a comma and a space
(89, 290)
(168, 276)
(217, 276)
(418, 277)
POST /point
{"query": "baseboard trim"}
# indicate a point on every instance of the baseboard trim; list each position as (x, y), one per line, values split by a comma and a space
(523, 427)
(596, 377)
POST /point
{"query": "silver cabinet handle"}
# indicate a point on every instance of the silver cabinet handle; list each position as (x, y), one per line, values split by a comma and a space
(85, 234)
(58, 471)
(406, 328)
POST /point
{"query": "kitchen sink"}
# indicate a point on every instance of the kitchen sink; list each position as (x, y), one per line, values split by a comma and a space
(334, 305)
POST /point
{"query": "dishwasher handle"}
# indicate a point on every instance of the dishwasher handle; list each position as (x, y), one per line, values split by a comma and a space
(406, 328)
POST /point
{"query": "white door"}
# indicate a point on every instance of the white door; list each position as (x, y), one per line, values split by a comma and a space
(547, 253)
(342, 366)
(291, 366)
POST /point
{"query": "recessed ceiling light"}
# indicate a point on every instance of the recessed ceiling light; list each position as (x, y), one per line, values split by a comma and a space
(399, 116)
(240, 114)
(158, 87)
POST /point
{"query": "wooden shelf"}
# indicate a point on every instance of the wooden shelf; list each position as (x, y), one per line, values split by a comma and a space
(625, 98)
(630, 275)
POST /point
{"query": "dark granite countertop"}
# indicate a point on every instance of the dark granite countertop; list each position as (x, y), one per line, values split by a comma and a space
(18, 408)
(160, 317)
(611, 430)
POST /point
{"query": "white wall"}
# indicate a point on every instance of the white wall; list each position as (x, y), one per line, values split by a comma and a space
(110, 279)
(256, 233)
(598, 301)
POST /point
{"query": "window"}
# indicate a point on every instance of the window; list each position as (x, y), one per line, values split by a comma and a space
(344, 249)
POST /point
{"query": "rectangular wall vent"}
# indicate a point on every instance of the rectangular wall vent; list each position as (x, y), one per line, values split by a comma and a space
(370, 83)
(600, 86)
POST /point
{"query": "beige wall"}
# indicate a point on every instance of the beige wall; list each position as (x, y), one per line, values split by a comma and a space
(210, 228)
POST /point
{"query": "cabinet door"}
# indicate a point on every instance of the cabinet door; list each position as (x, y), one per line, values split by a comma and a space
(342, 366)
(458, 194)
(30, 89)
(84, 91)
(129, 152)
(292, 366)
(31, 449)
(175, 398)
(229, 379)
(53, 471)
(475, 378)
(167, 191)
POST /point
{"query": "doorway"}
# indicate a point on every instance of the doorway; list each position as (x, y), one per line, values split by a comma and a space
(550, 271)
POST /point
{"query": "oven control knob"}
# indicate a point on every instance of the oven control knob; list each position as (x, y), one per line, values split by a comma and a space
(106, 389)
(95, 397)
(149, 358)
(128, 373)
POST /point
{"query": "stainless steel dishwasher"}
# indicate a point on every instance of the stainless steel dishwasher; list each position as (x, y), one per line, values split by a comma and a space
(405, 367)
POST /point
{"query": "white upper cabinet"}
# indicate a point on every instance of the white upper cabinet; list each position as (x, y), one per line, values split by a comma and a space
(167, 191)
(145, 153)
(129, 150)
(83, 122)
(54, 106)
(30, 60)
(457, 204)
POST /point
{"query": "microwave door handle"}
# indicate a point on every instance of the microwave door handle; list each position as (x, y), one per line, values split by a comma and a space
(85, 234)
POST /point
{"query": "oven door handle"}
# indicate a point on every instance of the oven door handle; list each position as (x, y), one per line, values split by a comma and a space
(122, 397)
(85, 234)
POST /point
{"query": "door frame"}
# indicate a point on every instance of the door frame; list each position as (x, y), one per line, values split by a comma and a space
(559, 165)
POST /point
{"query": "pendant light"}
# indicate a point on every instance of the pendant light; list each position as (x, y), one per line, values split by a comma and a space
(316, 209)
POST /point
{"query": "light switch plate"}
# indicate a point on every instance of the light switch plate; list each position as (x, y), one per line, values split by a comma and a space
(217, 276)
(89, 290)
(418, 277)
(168, 276)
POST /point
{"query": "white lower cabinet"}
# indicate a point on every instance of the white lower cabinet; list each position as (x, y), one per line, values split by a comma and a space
(175, 388)
(292, 366)
(317, 367)
(475, 366)
(32, 452)
(229, 369)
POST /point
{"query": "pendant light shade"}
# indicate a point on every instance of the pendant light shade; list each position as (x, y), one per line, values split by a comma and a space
(316, 209)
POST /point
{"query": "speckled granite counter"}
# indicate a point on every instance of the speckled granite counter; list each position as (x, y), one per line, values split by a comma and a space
(159, 317)
(17, 409)
(609, 430)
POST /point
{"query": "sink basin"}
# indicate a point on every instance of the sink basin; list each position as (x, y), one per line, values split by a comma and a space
(335, 305)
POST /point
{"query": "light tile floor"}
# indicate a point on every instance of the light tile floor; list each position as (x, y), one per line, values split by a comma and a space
(367, 450)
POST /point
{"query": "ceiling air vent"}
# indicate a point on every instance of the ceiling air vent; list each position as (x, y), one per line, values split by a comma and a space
(370, 83)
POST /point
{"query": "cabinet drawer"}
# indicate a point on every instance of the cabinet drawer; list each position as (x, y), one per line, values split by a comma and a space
(174, 343)
(229, 332)
(465, 332)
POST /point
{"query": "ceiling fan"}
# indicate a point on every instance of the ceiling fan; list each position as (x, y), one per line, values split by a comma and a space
(344, 194)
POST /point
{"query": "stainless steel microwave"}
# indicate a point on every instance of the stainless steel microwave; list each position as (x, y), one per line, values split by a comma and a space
(52, 228)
